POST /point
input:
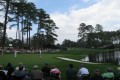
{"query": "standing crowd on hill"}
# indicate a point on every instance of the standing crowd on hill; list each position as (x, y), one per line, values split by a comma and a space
(29, 51)
(53, 73)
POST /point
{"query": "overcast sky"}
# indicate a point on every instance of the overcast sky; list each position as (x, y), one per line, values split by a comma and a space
(68, 14)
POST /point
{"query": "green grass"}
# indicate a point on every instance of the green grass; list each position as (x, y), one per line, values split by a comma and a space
(29, 60)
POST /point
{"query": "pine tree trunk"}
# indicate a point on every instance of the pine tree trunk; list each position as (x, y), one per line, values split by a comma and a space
(5, 22)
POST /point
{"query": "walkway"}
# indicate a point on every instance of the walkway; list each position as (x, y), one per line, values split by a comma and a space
(73, 60)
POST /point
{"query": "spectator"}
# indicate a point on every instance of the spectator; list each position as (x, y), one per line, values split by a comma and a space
(83, 72)
(55, 73)
(109, 74)
(46, 71)
(10, 70)
(20, 74)
(8, 66)
(20, 64)
(71, 73)
(2, 73)
(36, 74)
(117, 74)
(97, 75)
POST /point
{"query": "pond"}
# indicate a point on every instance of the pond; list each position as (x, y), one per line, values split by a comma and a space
(109, 57)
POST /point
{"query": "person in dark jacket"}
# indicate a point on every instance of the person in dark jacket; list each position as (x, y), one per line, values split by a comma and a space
(10, 70)
(20, 74)
(71, 73)
(97, 75)
(46, 71)
(2, 73)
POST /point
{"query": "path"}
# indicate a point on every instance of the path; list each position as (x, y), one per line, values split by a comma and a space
(73, 60)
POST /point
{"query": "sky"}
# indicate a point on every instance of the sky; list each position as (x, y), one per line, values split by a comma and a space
(68, 14)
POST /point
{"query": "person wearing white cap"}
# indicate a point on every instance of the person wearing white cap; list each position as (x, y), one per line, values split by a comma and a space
(36, 74)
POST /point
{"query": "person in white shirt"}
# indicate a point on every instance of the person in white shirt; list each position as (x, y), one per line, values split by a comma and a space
(15, 53)
(40, 52)
(82, 72)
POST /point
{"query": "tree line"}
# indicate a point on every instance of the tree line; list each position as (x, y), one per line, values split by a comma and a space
(94, 37)
(24, 16)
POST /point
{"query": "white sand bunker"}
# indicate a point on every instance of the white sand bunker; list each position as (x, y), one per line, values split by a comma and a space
(73, 60)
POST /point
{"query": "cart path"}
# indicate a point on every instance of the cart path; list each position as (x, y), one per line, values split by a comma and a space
(73, 60)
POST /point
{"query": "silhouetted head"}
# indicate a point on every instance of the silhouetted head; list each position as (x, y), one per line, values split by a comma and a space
(53, 66)
(21, 67)
(9, 64)
(46, 64)
(71, 65)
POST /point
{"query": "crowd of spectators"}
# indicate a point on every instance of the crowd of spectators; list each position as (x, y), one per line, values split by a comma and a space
(83, 74)
(20, 72)
(22, 51)
(48, 72)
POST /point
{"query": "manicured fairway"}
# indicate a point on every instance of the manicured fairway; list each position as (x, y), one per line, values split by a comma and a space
(29, 60)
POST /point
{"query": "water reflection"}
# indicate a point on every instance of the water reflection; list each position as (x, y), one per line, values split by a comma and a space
(109, 57)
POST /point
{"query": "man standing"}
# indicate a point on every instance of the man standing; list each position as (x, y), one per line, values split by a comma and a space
(15, 53)
(40, 53)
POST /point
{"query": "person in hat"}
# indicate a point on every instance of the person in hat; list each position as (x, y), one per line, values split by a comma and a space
(36, 74)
